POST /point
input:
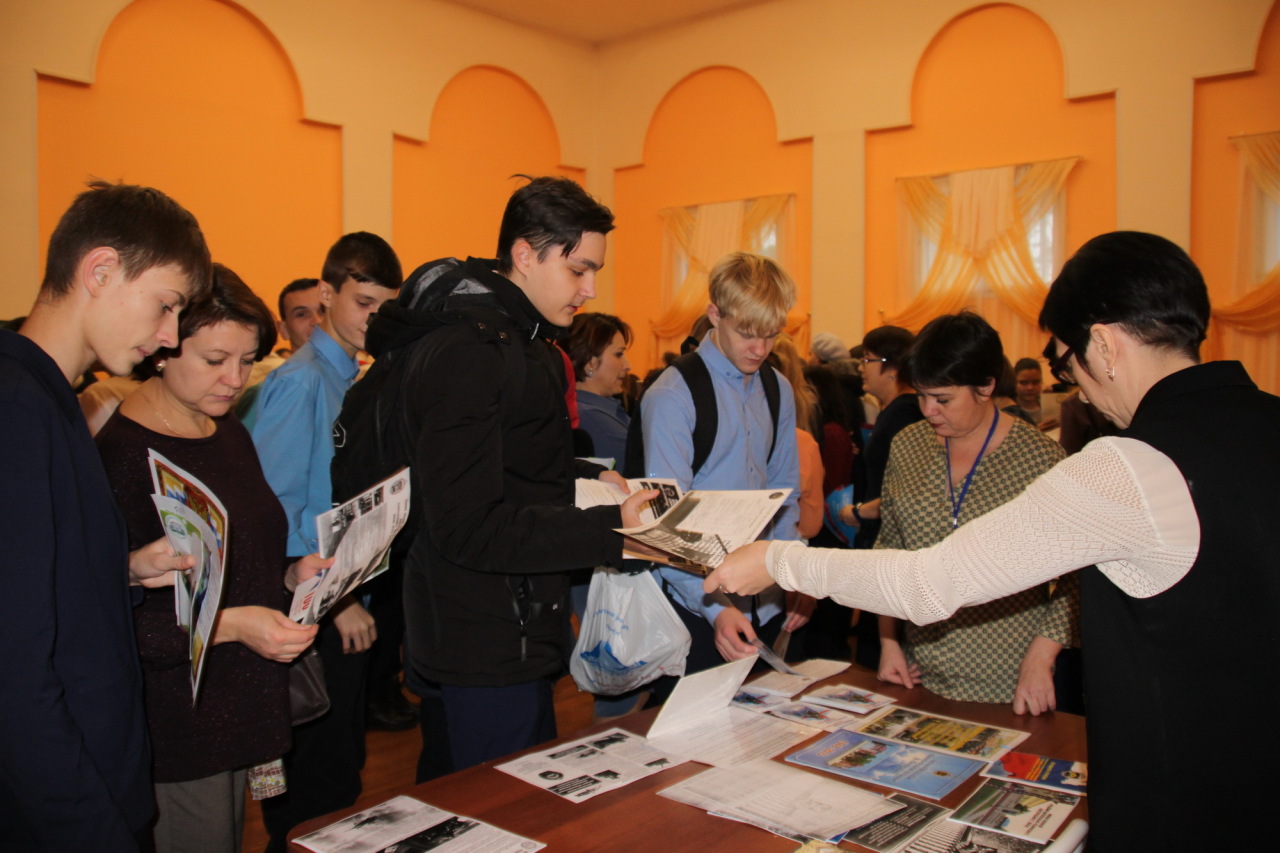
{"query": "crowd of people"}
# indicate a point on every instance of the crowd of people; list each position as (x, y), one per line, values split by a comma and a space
(932, 517)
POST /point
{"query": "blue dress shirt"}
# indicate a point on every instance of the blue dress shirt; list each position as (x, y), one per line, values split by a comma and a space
(604, 419)
(297, 406)
(739, 460)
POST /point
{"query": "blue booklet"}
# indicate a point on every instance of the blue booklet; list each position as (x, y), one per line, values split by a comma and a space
(864, 758)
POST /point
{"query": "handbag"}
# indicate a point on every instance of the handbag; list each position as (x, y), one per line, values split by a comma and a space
(630, 634)
(308, 698)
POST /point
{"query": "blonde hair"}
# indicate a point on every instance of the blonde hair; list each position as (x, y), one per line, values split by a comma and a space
(753, 291)
(791, 365)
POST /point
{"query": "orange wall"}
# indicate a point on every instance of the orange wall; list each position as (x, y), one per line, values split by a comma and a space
(713, 138)
(988, 92)
(451, 190)
(197, 98)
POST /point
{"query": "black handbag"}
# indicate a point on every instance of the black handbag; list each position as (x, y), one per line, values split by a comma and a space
(308, 698)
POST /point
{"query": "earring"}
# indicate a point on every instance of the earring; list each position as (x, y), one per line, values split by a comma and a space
(1111, 374)
(160, 367)
(590, 373)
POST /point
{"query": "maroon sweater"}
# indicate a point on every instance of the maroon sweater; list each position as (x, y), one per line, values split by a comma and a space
(242, 716)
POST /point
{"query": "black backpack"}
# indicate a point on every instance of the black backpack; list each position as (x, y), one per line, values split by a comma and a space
(705, 416)
(372, 438)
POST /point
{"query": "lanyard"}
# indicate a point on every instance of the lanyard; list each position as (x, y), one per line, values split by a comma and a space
(968, 480)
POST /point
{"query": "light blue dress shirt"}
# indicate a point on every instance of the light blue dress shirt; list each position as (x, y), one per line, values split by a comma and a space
(604, 419)
(739, 460)
(297, 406)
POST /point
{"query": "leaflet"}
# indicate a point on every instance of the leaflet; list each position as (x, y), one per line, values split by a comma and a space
(765, 792)
(409, 824)
(358, 535)
(880, 762)
(1058, 774)
(704, 526)
(589, 493)
(815, 716)
(846, 697)
(808, 672)
(945, 734)
(1017, 809)
(893, 831)
(581, 769)
(947, 836)
(195, 523)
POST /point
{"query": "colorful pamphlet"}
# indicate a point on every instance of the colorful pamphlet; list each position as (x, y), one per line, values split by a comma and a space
(846, 697)
(1058, 774)
(946, 734)
(1016, 809)
(863, 758)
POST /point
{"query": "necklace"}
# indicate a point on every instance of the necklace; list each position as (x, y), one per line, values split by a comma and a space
(956, 503)
(172, 428)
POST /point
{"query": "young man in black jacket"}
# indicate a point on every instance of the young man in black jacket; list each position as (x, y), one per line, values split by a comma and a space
(488, 627)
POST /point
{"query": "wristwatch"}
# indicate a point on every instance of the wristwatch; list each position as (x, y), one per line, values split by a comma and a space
(854, 509)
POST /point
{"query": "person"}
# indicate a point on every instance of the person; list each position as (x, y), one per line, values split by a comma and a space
(122, 263)
(786, 359)
(964, 459)
(597, 347)
(300, 310)
(486, 426)
(1041, 410)
(749, 299)
(1177, 515)
(201, 751)
(293, 434)
(827, 347)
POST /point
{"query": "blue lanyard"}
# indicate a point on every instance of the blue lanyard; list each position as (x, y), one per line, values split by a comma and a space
(968, 480)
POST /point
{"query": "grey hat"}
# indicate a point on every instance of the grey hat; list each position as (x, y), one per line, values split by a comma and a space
(827, 347)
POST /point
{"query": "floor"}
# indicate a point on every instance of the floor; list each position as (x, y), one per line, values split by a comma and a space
(392, 758)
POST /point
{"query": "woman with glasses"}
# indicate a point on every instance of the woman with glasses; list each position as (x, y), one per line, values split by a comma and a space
(965, 459)
(1174, 522)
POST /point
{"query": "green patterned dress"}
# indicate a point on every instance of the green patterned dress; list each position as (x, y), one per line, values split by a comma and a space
(973, 656)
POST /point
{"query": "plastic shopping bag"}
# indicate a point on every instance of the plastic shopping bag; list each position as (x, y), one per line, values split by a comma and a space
(630, 634)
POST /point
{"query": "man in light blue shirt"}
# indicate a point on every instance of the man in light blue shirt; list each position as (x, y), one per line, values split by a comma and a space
(750, 297)
(293, 433)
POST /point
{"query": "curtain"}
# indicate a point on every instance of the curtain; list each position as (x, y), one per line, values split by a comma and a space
(703, 235)
(1249, 325)
(980, 228)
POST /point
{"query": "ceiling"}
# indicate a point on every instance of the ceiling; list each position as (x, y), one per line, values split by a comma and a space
(598, 21)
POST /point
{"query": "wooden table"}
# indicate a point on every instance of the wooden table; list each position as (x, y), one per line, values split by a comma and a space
(636, 819)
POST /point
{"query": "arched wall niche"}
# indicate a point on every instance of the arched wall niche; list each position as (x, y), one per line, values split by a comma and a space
(198, 98)
(712, 138)
(988, 91)
(449, 192)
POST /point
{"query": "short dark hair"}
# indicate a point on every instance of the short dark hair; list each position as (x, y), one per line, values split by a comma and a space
(890, 343)
(364, 257)
(228, 300)
(1144, 283)
(546, 212)
(293, 287)
(146, 228)
(589, 335)
(826, 384)
(956, 349)
(1027, 364)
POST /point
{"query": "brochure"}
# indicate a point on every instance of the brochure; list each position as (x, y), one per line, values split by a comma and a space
(807, 673)
(894, 831)
(704, 526)
(846, 697)
(589, 493)
(946, 836)
(766, 793)
(1057, 774)
(581, 769)
(1017, 809)
(817, 716)
(358, 535)
(406, 825)
(750, 699)
(946, 734)
(894, 765)
(195, 523)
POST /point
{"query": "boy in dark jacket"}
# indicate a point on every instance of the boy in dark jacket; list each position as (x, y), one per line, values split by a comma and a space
(485, 590)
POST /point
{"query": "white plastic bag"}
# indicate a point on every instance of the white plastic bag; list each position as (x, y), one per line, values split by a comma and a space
(630, 634)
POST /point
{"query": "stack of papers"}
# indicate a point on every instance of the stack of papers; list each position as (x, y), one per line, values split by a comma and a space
(583, 768)
(409, 824)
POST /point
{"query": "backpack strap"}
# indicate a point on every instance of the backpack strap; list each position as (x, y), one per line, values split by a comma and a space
(706, 418)
(769, 378)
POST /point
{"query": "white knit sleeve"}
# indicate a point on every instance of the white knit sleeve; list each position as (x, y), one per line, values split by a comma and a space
(1118, 503)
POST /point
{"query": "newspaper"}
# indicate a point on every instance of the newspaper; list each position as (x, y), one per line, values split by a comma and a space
(407, 825)
(704, 526)
(581, 769)
(589, 493)
(195, 523)
(358, 534)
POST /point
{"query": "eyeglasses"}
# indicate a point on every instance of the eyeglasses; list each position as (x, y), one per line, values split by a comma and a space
(872, 360)
(1059, 365)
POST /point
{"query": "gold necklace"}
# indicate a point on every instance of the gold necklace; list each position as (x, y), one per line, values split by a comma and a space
(172, 428)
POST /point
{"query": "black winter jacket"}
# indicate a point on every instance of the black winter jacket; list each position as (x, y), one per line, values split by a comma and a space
(485, 582)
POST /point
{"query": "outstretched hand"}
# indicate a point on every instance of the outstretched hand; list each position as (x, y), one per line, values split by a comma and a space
(743, 572)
